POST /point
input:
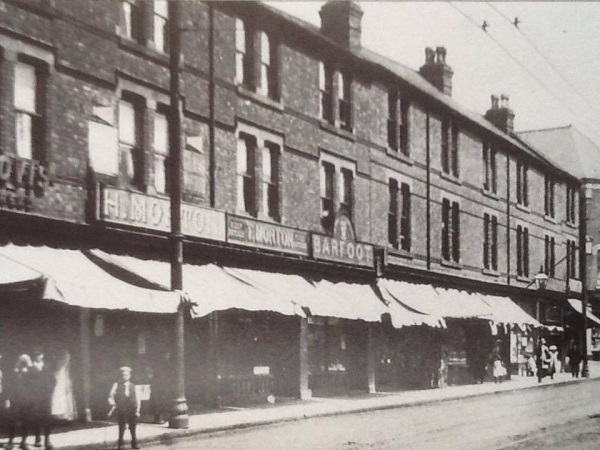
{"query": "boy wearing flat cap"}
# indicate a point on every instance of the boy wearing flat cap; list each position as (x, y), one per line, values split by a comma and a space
(125, 405)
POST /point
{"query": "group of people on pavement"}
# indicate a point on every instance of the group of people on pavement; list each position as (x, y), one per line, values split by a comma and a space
(546, 362)
(33, 395)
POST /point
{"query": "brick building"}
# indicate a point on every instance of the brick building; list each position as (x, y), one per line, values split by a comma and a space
(306, 156)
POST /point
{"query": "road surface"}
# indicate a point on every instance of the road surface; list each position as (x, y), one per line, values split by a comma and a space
(552, 417)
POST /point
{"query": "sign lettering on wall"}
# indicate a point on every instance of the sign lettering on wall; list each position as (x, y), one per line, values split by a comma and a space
(342, 246)
(265, 235)
(154, 213)
(21, 181)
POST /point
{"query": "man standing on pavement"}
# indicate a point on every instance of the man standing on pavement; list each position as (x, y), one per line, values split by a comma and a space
(574, 356)
(125, 404)
(41, 387)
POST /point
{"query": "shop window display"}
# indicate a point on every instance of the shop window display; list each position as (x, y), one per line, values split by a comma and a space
(327, 354)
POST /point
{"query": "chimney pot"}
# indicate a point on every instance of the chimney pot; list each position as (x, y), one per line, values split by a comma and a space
(429, 55)
(436, 71)
(494, 102)
(441, 54)
(341, 21)
(501, 115)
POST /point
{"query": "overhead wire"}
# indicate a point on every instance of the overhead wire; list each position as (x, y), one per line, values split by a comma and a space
(515, 59)
(544, 57)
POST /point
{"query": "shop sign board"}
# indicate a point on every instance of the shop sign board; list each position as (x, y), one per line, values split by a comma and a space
(22, 180)
(342, 246)
(269, 236)
(154, 213)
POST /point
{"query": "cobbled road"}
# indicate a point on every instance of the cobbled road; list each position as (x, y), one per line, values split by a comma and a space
(551, 417)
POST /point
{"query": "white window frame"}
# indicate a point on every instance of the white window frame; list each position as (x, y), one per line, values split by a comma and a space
(160, 22)
(26, 104)
(161, 151)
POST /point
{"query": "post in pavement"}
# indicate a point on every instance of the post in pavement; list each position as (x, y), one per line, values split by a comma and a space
(179, 415)
(583, 259)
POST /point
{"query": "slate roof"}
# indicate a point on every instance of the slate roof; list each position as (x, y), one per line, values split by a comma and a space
(420, 85)
(569, 148)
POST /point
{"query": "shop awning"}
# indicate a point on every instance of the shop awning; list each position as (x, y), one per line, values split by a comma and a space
(347, 301)
(505, 312)
(463, 305)
(323, 298)
(395, 294)
(13, 273)
(436, 302)
(210, 287)
(577, 306)
(72, 278)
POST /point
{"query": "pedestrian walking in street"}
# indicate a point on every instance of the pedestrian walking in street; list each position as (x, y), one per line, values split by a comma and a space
(531, 366)
(20, 401)
(543, 360)
(498, 369)
(125, 405)
(42, 386)
(159, 389)
(554, 361)
(574, 356)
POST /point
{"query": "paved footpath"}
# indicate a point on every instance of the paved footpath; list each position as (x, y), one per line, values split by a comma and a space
(104, 437)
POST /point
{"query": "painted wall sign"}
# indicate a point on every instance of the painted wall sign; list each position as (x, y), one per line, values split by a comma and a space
(21, 181)
(154, 213)
(342, 246)
(266, 235)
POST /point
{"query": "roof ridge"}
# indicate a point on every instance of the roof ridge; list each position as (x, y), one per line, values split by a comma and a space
(535, 130)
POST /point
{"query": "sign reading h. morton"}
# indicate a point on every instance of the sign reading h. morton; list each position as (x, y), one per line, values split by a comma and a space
(266, 235)
(154, 213)
(342, 246)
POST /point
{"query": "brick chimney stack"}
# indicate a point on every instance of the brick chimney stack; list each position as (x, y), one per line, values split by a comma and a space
(436, 71)
(341, 21)
(500, 114)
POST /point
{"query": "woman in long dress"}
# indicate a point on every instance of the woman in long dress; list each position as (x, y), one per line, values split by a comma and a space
(63, 405)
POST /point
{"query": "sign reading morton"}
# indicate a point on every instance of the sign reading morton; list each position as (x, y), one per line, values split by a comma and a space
(266, 235)
(144, 211)
(342, 246)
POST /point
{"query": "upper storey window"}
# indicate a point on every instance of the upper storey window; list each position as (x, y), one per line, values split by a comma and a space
(256, 62)
(549, 196)
(399, 223)
(490, 182)
(522, 251)
(130, 142)
(337, 190)
(28, 110)
(132, 19)
(335, 90)
(270, 180)
(246, 174)
(450, 231)
(344, 101)
(450, 148)
(397, 127)
(522, 184)
(258, 175)
(571, 204)
(161, 152)
(161, 25)
(326, 92)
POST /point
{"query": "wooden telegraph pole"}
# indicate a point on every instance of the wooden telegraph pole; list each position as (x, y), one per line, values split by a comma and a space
(179, 415)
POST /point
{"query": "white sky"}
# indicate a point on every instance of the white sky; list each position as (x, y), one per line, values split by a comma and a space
(566, 33)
